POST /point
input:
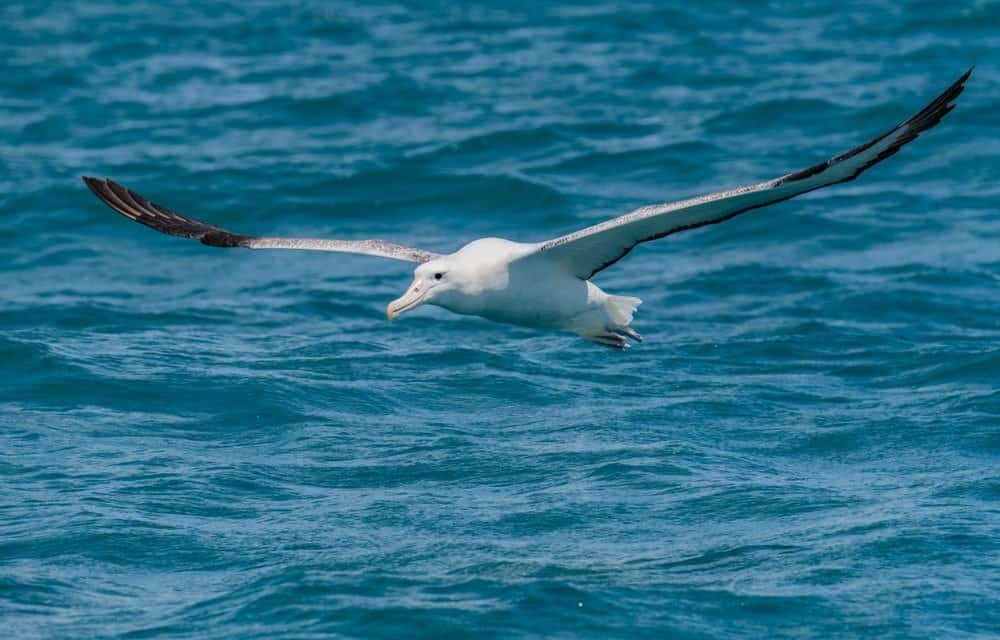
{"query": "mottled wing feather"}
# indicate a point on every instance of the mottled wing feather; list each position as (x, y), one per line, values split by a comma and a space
(590, 250)
(132, 205)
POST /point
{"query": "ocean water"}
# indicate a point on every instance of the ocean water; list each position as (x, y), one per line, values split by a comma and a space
(199, 443)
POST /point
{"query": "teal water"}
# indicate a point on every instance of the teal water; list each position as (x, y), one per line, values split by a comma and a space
(198, 443)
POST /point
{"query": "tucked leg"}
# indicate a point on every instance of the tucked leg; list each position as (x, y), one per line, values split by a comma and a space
(613, 340)
(627, 332)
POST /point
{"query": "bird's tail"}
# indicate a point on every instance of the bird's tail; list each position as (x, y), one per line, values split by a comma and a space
(621, 309)
(614, 331)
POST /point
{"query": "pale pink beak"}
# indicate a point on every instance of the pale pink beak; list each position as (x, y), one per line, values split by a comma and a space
(412, 299)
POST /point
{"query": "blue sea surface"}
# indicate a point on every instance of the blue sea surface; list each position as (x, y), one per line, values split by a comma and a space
(202, 443)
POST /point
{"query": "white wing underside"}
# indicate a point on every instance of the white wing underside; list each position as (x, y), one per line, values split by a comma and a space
(587, 251)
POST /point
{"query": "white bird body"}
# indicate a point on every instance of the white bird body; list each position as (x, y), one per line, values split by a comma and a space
(547, 284)
(489, 278)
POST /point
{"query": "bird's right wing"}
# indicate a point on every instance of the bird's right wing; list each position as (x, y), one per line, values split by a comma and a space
(133, 206)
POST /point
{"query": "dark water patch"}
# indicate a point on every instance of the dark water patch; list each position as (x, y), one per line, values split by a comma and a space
(762, 114)
(671, 159)
(511, 147)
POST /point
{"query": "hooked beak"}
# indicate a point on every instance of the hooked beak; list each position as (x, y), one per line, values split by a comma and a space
(413, 298)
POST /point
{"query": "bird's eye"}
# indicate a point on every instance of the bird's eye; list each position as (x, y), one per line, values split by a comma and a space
(438, 276)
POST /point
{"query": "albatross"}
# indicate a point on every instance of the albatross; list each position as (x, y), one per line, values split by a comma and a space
(548, 284)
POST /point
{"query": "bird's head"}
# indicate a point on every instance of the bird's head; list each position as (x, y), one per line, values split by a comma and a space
(430, 281)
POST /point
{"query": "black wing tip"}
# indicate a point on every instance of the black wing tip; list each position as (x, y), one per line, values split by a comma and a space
(925, 119)
(94, 184)
(135, 207)
(98, 183)
(941, 105)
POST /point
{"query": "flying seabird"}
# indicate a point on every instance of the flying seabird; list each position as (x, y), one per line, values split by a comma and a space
(547, 284)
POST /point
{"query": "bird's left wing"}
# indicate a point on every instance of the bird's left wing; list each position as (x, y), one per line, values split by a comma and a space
(133, 206)
(587, 251)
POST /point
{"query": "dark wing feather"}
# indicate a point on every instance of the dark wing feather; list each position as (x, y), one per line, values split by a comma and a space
(135, 207)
